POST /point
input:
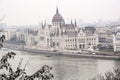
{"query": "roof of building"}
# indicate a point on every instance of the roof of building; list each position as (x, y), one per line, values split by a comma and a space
(90, 28)
(57, 17)
(69, 25)
(89, 33)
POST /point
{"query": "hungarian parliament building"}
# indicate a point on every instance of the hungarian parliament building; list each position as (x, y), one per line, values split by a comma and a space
(61, 36)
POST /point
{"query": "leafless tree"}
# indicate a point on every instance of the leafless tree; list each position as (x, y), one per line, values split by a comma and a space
(1, 19)
(111, 75)
(20, 74)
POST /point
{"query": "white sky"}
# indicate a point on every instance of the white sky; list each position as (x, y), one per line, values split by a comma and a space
(25, 12)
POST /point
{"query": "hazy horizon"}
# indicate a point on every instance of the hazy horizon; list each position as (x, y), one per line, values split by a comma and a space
(25, 12)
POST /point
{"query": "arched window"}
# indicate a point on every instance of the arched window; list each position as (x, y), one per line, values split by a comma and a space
(80, 46)
(83, 46)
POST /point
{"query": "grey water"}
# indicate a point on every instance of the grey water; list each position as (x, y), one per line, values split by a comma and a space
(64, 67)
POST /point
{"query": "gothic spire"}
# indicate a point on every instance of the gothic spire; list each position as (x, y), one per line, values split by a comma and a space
(75, 23)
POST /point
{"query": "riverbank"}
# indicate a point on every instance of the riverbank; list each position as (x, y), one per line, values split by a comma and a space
(86, 55)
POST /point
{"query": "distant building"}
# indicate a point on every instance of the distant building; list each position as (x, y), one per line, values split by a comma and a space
(9, 33)
(105, 37)
(116, 41)
(2, 26)
(62, 36)
(4, 33)
(12, 33)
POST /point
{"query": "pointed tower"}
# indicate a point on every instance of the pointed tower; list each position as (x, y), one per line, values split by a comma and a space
(71, 22)
(75, 23)
(57, 19)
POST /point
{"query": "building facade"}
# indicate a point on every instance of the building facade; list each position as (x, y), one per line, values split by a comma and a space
(116, 41)
(62, 36)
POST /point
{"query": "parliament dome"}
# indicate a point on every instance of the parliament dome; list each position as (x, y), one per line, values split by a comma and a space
(57, 17)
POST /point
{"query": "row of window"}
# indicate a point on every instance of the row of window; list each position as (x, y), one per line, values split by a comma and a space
(67, 40)
(91, 39)
(81, 46)
(70, 45)
(91, 44)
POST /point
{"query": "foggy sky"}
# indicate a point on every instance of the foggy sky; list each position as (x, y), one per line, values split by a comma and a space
(25, 12)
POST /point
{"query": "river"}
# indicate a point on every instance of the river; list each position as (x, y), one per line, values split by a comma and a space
(64, 67)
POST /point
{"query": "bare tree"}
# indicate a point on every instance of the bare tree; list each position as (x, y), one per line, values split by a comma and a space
(20, 74)
(1, 19)
(111, 75)
(2, 39)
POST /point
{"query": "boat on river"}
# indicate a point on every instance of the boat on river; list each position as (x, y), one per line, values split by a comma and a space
(48, 55)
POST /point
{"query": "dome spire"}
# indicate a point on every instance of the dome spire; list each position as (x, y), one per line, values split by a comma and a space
(57, 11)
(57, 18)
(71, 21)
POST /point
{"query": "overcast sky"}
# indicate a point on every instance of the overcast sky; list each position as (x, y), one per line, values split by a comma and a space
(25, 12)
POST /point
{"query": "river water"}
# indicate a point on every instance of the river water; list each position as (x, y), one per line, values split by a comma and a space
(64, 67)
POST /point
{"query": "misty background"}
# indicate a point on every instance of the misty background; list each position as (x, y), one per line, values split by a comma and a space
(26, 12)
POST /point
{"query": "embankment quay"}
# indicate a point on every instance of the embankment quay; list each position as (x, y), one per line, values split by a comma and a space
(100, 55)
